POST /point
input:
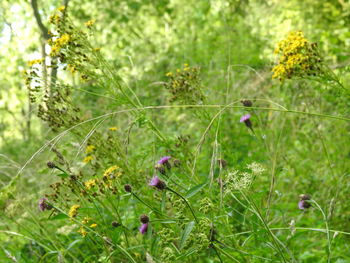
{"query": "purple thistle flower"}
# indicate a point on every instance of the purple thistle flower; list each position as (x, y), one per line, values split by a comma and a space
(246, 120)
(143, 228)
(156, 182)
(164, 160)
(303, 203)
(43, 205)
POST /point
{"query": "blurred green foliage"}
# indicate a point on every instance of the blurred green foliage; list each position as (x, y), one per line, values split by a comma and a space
(232, 43)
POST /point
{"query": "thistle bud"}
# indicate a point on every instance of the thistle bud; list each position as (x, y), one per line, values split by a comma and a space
(115, 224)
(247, 103)
(51, 165)
(144, 219)
(128, 188)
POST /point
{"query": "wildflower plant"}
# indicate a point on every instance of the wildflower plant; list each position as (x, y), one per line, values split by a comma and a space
(137, 196)
(185, 85)
(299, 58)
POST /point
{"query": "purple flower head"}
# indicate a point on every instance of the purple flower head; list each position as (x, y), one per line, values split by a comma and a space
(164, 160)
(303, 203)
(156, 182)
(43, 205)
(143, 228)
(245, 118)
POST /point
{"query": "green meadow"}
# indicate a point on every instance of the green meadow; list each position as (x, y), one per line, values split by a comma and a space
(175, 131)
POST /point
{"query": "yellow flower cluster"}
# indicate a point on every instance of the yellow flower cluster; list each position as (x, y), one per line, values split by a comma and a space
(90, 23)
(35, 61)
(61, 9)
(86, 220)
(298, 57)
(88, 159)
(72, 68)
(90, 149)
(112, 172)
(58, 43)
(55, 19)
(90, 183)
(73, 211)
(294, 42)
(184, 85)
(113, 128)
(82, 231)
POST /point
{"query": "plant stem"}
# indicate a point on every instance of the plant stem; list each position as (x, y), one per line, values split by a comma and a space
(183, 198)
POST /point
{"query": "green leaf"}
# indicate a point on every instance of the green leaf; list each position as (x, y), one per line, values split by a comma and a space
(73, 243)
(168, 222)
(185, 234)
(126, 253)
(163, 202)
(59, 216)
(194, 190)
(63, 175)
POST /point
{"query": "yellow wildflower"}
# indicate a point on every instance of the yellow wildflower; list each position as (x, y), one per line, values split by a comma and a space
(110, 170)
(185, 65)
(113, 128)
(61, 8)
(72, 68)
(298, 57)
(90, 148)
(73, 211)
(82, 231)
(86, 220)
(54, 19)
(169, 74)
(63, 40)
(93, 225)
(54, 51)
(111, 173)
(90, 183)
(88, 159)
(58, 43)
(35, 61)
(90, 23)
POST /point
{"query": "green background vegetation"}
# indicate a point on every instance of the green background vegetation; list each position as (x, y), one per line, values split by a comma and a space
(232, 43)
